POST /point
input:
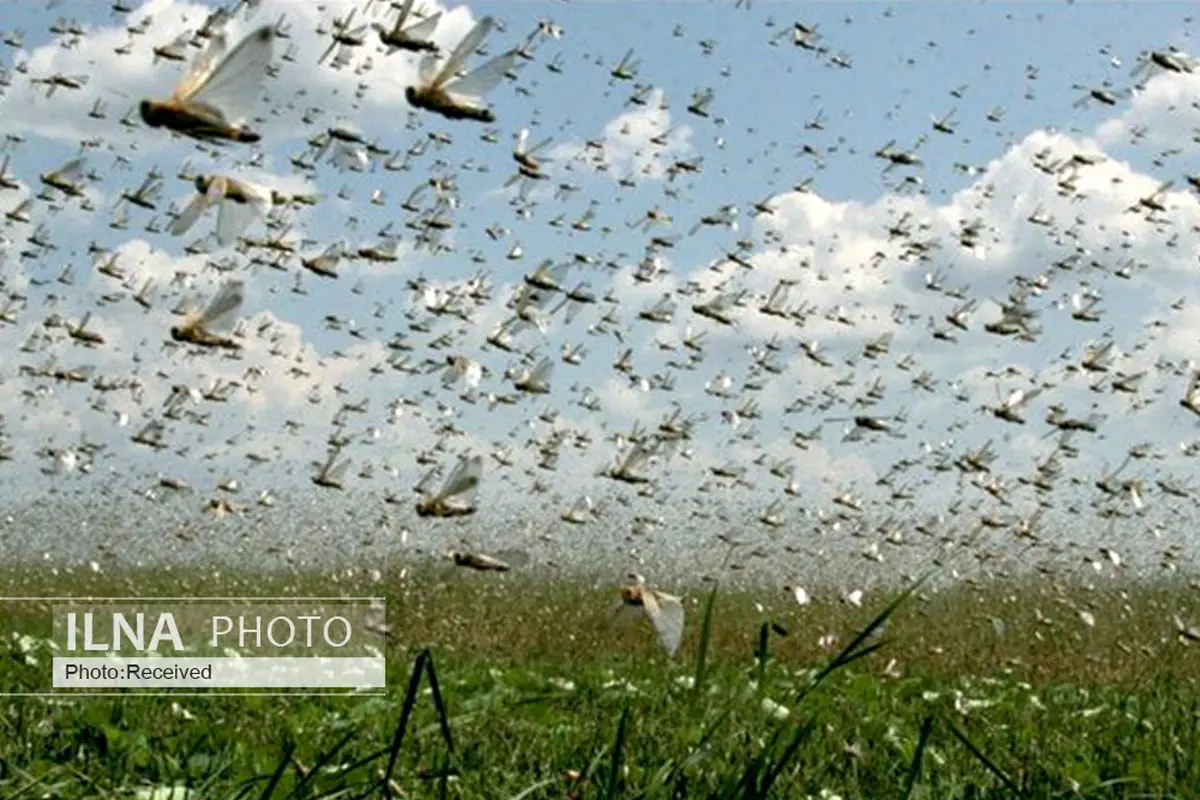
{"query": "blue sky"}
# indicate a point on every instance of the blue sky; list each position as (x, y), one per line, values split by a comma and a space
(906, 59)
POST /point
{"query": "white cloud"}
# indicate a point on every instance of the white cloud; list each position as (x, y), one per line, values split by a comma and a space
(628, 149)
(1166, 113)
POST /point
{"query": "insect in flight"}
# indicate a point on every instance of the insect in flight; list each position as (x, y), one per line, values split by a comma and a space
(407, 34)
(456, 497)
(211, 101)
(461, 98)
(240, 204)
(664, 611)
(197, 328)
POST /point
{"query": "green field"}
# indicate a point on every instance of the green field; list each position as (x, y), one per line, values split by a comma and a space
(973, 691)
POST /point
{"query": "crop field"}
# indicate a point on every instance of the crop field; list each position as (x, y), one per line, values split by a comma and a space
(503, 687)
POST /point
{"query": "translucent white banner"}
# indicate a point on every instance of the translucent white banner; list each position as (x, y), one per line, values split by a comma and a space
(219, 673)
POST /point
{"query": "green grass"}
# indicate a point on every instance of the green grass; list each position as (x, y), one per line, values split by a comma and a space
(539, 696)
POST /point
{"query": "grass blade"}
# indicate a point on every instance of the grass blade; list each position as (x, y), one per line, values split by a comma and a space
(702, 649)
(991, 766)
(539, 785)
(438, 703)
(785, 758)
(762, 653)
(697, 751)
(613, 789)
(914, 769)
(410, 700)
(288, 748)
(322, 760)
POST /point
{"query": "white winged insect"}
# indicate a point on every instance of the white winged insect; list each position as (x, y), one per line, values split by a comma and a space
(7, 179)
(1170, 60)
(218, 92)
(462, 368)
(349, 148)
(535, 381)
(1191, 398)
(631, 467)
(664, 611)
(345, 39)
(574, 300)
(1011, 407)
(325, 264)
(456, 497)
(581, 512)
(626, 69)
(701, 100)
(62, 81)
(68, 178)
(460, 97)
(240, 205)
(147, 194)
(408, 35)
(725, 217)
(175, 50)
(331, 473)
(529, 166)
(482, 562)
(197, 328)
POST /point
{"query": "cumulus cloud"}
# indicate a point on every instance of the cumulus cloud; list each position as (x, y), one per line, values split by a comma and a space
(1165, 112)
(637, 145)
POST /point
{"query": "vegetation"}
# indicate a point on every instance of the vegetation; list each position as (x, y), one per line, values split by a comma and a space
(502, 686)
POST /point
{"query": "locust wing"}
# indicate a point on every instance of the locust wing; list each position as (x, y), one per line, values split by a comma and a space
(463, 481)
(230, 84)
(201, 67)
(70, 172)
(476, 85)
(469, 44)
(228, 299)
(427, 69)
(537, 148)
(234, 218)
(424, 29)
(405, 11)
(421, 29)
(195, 209)
(666, 614)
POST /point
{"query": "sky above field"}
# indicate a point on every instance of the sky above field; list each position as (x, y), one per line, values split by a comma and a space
(795, 125)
